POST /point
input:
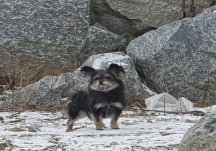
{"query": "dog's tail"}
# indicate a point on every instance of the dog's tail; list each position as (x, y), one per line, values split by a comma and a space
(77, 95)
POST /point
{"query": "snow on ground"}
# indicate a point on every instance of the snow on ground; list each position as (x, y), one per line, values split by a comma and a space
(36, 131)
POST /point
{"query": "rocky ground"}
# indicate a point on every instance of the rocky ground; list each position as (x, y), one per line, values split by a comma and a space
(25, 131)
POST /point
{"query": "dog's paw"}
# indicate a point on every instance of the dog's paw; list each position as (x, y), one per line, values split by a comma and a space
(99, 128)
(69, 130)
(115, 128)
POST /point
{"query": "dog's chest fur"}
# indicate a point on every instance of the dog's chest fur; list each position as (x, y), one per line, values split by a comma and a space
(107, 101)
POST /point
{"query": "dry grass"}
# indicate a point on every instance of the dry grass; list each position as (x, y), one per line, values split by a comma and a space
(3, 146)
(13, 82)
(32, 108)
(6, 144)
(205, 103)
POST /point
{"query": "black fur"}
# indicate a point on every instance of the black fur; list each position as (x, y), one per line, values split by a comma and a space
(98, 103)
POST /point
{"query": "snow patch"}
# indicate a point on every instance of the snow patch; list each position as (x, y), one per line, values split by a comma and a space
(136, 132)
(110, 58)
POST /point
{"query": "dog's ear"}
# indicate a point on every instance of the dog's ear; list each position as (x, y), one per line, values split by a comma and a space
(88, 71)
(116, 69)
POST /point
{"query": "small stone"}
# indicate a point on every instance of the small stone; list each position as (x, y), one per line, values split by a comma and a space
(113, 143)
(1, 119)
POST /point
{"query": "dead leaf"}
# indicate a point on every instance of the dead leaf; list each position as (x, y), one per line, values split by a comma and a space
(16, 129)
(3, 146)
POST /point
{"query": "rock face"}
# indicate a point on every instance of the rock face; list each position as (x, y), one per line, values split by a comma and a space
(202, 136)
(180, 57)
(46, 37)
(48, 91)
(114, 21)
(139, 16)
(148, 13)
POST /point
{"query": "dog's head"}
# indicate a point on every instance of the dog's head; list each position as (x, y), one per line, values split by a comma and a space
(104, 80)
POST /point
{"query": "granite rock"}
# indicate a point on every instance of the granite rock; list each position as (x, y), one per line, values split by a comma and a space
(201, 136)
(39, 38)
(51, 91)
(179, 58)
(132, 18)
(47, 92)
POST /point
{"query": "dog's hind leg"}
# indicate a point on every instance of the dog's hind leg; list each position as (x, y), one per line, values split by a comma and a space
(115, 117)
(70, 124)
(74, 116)
(97, 118)
(92, 118)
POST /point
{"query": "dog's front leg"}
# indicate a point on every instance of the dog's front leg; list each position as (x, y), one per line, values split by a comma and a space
(115, 117)
(98, 121)
(103, 125)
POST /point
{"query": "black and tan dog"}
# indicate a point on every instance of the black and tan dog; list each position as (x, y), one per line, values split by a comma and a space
(105, 97)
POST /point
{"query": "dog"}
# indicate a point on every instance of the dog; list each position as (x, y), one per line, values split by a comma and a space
(104, 98)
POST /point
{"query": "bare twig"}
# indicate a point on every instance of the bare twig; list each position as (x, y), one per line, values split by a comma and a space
(164, 106)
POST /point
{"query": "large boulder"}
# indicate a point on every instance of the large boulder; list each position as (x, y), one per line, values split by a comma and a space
(49, 91)
(202, 136)
(39, 38)
(135, 89)
(148, 13)
(179, 58)
(140, 16)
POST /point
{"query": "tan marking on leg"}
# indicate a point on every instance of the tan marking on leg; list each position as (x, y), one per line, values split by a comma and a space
(114, 123)
(70, 125)
(71, 121)
(92, 117)
(98, 124)
(103, 125)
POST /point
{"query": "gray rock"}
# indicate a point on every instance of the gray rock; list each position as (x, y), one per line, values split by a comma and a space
(139, 16)
(180, 57)
(202, 136)
(158, 13)
(135, 90)
(114, 21)
(192, 8)
(40, 38)
(149, 13)
(47, 92)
